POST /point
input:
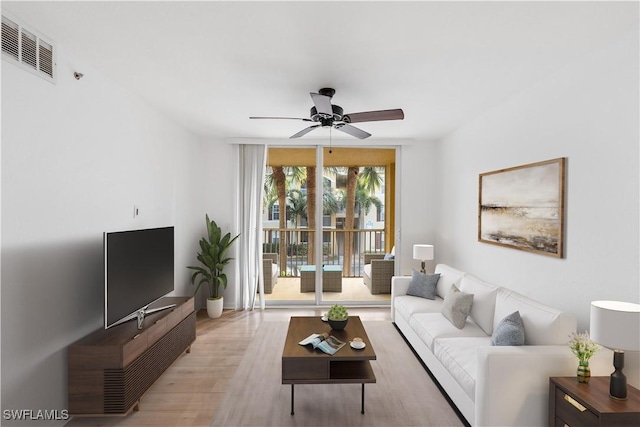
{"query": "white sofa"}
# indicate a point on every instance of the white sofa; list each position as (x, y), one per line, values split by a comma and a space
(490, 385)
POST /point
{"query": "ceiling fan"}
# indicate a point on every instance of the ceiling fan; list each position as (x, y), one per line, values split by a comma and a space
(325, 114)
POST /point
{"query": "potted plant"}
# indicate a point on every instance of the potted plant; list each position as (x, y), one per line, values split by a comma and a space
(213, 256)
(337, 317)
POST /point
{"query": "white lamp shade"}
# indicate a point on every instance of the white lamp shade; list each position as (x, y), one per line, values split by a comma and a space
(615, 324)
(423, 252)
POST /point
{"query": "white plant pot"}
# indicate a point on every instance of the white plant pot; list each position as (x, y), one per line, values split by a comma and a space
(214, 307)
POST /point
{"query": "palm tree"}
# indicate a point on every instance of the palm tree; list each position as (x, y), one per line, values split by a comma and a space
(296, 207)
(361, 183)
(330, 203)
(269, 194)
(283, 178)
(352, 180)
(280, 180)
(371, 178)
(364, 201)
(311, 213)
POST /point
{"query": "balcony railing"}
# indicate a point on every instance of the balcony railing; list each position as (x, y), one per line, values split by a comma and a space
(297, 247)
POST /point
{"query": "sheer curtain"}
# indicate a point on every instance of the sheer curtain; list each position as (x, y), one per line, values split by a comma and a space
(251, 180)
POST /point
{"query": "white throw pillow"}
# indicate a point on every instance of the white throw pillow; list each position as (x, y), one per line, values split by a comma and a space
(448, 276)
(484, 301)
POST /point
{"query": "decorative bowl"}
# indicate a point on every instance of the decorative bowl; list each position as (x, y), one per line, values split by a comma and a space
(338, 325)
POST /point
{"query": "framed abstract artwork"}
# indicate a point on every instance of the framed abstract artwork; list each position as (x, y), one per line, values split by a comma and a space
(523, 207)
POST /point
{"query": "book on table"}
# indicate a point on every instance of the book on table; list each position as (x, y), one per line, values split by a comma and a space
(325, 342)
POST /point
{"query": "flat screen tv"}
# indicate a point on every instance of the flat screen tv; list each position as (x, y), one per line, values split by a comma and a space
(138, 270)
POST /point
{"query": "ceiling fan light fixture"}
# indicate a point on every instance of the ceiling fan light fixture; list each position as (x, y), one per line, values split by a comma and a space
(318, 117)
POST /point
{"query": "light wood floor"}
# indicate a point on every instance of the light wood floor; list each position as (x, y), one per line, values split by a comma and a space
(189, 392)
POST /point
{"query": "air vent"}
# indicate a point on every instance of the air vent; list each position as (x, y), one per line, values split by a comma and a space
(24, 47)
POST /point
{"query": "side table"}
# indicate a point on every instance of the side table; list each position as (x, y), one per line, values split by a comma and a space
(577, 404)
(331, 278)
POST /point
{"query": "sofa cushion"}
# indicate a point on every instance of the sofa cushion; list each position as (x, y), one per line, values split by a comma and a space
(457, 306)
(367, 270)
(484, 301)
(432, 326)
(423, 285)
(274, 272)
(543, 325)
(459, 357)
(448, 276)
(407, 306)
(509, 331)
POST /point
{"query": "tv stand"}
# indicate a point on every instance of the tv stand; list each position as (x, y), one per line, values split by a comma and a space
(110, 369)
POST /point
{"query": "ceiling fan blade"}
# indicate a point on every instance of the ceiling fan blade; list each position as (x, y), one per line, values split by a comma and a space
(304, 131)
(353, 131)
(374, 116)
(283, 118)
(323, 104)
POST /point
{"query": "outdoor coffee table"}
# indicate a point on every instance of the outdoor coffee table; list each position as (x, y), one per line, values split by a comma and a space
(331, 278)
(306, 365)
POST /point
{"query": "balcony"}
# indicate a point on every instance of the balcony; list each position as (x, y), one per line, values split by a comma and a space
(347, 269)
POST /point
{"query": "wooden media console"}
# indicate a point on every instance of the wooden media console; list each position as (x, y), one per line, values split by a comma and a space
(110, 370)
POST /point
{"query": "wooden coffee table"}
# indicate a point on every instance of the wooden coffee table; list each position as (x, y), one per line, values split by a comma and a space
(304, 365)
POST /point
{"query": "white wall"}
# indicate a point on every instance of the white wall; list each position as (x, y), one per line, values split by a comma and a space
(588, 113)
(418, 206)
(217, 195)
(76, 157)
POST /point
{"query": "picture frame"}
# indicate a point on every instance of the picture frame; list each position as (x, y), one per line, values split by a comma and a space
(522, 207)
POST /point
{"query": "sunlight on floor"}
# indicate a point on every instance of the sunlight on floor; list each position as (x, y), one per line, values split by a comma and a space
(353, 289)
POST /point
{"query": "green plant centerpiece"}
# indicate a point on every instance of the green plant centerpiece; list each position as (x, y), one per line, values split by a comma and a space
(213, 257)
(338, 316)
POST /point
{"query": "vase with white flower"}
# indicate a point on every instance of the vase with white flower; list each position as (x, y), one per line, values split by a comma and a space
(582, 346)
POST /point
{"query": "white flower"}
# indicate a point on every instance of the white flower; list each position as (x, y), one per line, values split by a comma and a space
(582, 346)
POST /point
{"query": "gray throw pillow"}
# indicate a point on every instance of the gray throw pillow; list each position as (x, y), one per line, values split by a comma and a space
(509, 331)
(423, 285)
(388, 257)
(457, 306)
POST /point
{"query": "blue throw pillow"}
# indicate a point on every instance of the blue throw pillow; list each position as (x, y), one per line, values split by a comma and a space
(423, 285)
(388, 256)
(510, 331)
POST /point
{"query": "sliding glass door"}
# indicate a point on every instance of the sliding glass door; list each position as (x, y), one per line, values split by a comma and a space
(326, 217)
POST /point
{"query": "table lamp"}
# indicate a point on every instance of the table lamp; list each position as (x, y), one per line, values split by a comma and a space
(423, 253)
(616, 325)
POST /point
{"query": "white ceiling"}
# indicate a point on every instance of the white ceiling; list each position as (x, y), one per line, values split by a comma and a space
(211, 65)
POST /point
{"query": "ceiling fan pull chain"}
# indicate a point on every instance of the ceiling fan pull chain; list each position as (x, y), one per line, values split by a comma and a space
(330, 129)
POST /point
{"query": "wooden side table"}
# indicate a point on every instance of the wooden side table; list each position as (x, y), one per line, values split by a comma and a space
(575, 404)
